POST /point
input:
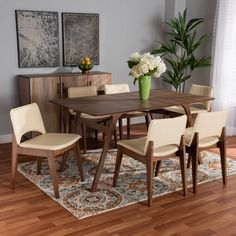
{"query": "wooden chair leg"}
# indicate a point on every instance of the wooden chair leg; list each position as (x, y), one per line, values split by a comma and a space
(63, 161)
(189, 161)
(158, 165)
(183, 173)
(149, 167)
(120, 128)
(222, 145)
(72, 124)
(103, 134)
(147, 120)
(14, 161)
(128, 126)
(69, 123)
(117, 167)
(39, 165)
(96, 135)
(199, 159)
(84, 136)
(151, 115)
(53, 172)
(79, 160)
(223, 162)
(195, 170)
(66, 121)
(115, 137)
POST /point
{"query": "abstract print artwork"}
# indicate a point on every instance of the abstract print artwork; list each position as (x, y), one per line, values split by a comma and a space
(37, 38)
(80, 37)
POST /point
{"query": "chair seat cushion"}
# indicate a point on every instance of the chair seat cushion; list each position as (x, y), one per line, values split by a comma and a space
(87, 116)
(51, 141)
(204, 142)
(137, 145)
(179, 109)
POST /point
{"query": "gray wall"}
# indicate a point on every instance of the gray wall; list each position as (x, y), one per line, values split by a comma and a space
(125, 27)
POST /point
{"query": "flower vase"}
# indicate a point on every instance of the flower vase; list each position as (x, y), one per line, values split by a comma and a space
(144, 87)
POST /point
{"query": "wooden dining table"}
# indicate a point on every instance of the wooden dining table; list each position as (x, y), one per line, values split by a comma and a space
(117, 104)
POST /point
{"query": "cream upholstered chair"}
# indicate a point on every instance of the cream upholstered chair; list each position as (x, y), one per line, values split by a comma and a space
(160, 143)
(196, 108)
(50, 145)
(207, 132)
(83, 92)
(124, 88)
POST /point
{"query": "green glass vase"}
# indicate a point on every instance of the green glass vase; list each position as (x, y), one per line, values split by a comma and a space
(144, 87)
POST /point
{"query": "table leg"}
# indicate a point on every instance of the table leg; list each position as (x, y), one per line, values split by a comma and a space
(107, 141)
(190, 124)
(189, 115)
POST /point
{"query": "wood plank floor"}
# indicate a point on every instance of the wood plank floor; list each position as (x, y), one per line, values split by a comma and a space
(28, 211)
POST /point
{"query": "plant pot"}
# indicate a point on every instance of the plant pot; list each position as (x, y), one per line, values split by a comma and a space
(144, 87)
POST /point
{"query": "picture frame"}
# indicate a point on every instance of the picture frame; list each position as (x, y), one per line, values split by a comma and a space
(37, 39)
(80, 37)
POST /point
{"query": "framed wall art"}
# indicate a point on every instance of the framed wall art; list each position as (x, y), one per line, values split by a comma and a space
(37, 39)
(80, 37)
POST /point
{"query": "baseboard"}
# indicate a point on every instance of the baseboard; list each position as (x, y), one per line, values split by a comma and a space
(6, 138)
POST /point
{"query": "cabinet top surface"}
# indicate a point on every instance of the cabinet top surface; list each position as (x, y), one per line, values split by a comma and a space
(61, 74)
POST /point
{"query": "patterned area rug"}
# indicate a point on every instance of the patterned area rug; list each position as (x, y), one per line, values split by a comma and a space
(131, 188)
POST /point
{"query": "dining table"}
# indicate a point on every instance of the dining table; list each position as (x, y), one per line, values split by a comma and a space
(115, 105)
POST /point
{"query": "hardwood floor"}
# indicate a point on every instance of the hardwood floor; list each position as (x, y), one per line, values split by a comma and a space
(28, 211)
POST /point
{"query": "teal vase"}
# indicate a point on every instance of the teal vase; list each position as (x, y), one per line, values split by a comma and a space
(144, 87)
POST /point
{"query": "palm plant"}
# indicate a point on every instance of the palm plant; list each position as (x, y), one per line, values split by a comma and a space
(180, 51)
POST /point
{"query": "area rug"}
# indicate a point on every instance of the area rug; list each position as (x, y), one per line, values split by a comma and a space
(131, 188)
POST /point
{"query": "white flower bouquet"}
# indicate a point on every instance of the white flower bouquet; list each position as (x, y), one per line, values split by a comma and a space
(145, 65)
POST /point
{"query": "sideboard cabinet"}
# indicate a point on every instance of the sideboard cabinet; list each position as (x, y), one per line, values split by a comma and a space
(41, 88)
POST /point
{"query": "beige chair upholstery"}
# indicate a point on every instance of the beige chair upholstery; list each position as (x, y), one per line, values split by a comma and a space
(161, 142)
(203, 91)
(195, 108)
(75, 92)
(83, 92)
(124, 88)
(207, 132)
(27, 119)
(116, 88)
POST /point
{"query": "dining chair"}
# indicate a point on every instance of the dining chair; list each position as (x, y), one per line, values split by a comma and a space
(27, 119)
(208, 132)
(124, 88)
(195, 108)
(87, 91)
(164, 139)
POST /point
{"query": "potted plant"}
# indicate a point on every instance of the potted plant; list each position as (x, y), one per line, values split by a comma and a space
(180, 51)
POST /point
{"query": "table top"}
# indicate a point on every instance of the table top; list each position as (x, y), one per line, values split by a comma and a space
(129, 102)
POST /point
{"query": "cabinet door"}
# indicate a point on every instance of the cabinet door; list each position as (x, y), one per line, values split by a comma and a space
(42, 90)
(72, 81)
(99, 80)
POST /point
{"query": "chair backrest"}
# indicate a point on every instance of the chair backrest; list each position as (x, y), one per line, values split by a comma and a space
(116, 88)
(26, 119)
(209, 124)
(166, 131)
(204, 91)
(76, 92)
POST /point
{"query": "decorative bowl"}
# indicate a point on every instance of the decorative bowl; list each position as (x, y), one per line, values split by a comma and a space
(85, 65)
